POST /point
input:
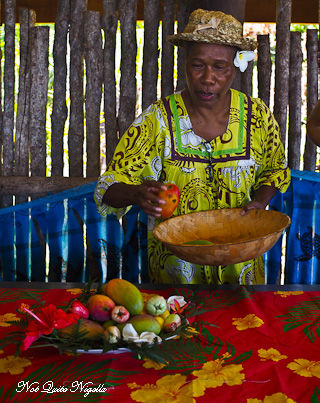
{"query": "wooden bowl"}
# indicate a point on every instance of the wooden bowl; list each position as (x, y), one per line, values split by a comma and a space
(234, 238)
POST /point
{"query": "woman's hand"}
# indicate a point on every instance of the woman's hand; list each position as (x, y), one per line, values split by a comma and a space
(147, 197)
(144, 195)
(252, 205)
(263, 197)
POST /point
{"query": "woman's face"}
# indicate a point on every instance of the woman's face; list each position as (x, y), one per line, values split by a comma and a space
(209, 72)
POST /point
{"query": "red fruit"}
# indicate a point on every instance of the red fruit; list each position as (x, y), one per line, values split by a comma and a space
(78, 308)
(120, 314)
(171, 196)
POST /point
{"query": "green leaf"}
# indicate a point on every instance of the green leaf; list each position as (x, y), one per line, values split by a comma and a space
(315, 398)
(309, 332)
(291, 326)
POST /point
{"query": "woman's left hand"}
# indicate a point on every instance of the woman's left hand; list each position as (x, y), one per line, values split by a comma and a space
(252, 205)
(263, 197)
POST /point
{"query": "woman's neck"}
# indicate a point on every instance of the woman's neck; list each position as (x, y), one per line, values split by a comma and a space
(208, 123)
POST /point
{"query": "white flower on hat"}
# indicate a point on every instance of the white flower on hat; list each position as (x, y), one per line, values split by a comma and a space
(242, 58)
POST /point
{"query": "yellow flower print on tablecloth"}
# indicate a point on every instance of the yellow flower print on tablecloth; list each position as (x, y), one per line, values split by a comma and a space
(13, 365)
(152, 364)
(4, 319)
(75, 291)
(216, 373)
(305, 367)
(248, 322)
(169, 389)
(271, 354)
(276, 397)
(285, 294)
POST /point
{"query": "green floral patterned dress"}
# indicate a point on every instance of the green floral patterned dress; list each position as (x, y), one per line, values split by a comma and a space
(161, 145)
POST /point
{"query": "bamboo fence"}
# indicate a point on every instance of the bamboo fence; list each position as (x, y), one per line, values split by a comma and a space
(85, 68)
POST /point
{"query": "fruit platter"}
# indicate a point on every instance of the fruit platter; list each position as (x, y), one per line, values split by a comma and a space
(114, 318)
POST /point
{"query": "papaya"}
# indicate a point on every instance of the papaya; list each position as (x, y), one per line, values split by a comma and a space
(145, 323)
(124, 293)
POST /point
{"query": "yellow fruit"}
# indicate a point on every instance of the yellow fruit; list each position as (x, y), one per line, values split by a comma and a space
(165, 314)
(160, 320)
(95, 331)
(124, 293)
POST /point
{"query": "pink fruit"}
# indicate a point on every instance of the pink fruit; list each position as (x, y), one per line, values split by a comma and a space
(172, 322)
(120, 314)
(100, 307)
(78, 308)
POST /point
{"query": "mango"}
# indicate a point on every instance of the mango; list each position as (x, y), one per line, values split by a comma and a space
(100, 307)
(198, 242)
(124, 293)
(95, 331)
(145, 323)
(108, 323)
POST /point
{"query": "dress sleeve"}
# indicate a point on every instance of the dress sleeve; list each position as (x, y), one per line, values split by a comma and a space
(137, 158)
(272, 169)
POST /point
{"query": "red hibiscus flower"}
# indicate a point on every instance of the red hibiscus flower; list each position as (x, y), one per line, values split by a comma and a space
(47, 319)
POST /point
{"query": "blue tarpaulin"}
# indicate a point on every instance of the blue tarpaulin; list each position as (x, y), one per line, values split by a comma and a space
(301, 203)
(63, 238)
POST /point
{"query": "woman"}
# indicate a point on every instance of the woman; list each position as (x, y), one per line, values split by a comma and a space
(221, 148)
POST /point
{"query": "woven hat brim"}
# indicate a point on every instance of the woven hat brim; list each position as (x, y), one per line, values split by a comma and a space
(243, 44)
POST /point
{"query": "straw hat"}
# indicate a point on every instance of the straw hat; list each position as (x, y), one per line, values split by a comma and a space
(213, 27)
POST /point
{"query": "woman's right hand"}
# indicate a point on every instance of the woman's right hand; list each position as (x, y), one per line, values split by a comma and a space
(147, 198)
(144, 195)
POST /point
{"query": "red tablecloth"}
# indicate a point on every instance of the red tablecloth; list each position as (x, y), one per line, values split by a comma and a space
(265, 348)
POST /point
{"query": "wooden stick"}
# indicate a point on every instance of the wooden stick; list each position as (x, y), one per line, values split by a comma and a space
(76, 128)
(27, 19)
(150, 52)
(282, 65)
(109, 25)
(127, 109)
(38, 186)
(295, 101)
(59, 106)
(38, 99)
(264, 65)
(94, 77)
(310, 152)
(167, 61)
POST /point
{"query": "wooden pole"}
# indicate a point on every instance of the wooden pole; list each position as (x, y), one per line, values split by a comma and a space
(76, 126)
(27, 19)
(167, 60)
(183, 13)
(282, 63)
(109, 24)
(94, 78)
(9, 84)
(59, 105)
(312, 94)
(150, 52)
(128, 85)
(38, 99)
(264, 65)
(295, 101)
